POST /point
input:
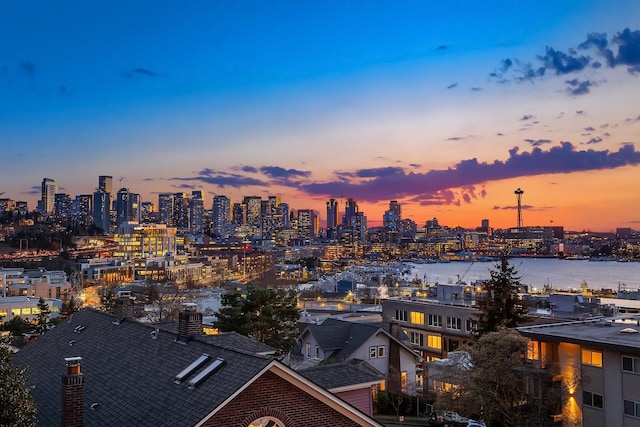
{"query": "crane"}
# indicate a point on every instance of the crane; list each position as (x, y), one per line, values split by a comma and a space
(1, 193)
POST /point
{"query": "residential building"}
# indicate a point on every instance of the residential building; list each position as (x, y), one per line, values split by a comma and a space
(181, 211)
(166, 208)
(221, 215)
(102, 210)
(83, 209)
(253, 206)
(49, 189)
(124, 207)
(136, 240)
(62, 206)
(332, 218)
(196, 212)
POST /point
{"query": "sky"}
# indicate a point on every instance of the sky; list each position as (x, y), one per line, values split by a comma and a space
(446, 106)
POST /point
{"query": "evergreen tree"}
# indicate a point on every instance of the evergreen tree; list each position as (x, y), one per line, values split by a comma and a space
(499, 304)
(17, 407)
(42, 323)
(267, 315)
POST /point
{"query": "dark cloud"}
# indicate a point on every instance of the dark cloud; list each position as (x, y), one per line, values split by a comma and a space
(527, 117)
(63, 91)
(452, 85)
(594, 140)
(442, 47)
(414, 165)
(506, 64)
(279, 172)
(455, 138)
(140, 72)
(637, 119)
(378, 172)
(476, 89)
(577, 87)
(249, 169)
(563, 63)
(596, 64)
(538, 142)
(28, 69)
(606, 134)
(423, 186)
(581, 113)
(499, 134)
(598, 41)
(222, 179)
(628, 49)
(589, 129)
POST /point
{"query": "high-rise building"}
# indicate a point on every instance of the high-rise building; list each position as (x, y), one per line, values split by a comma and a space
(124, 207)
(332, 218)
(350, 211)
(253, 206)
(102, 210)
(239, 213)
(308, 223)
(221, 212)
(165, 209)
(181, 211)
(105, 183)
(49, 190)
(62, 206)
(147, 209)
(83, 209)
(196, 211)
(283, 210)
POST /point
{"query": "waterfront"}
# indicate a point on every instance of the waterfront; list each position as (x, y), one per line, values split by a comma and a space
(538, 272)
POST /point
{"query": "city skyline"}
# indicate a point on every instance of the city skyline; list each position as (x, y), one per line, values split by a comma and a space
(446, 108)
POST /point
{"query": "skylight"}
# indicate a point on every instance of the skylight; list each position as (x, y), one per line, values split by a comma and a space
(192, 367)
(206, 372)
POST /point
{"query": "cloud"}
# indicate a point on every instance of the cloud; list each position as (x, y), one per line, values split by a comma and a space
(249, 169)
(279, 172)
(499, 134)
(589, 129)
(452, 85)
(637, 119)
(140, 71)
(442, 47)
(538, 142)
(581, 113)
(577, 87)
(28, 69)
(599, 42)
(455, 138)
(594, 140)
(476, 89)
(628, 49)
(63, 91)
(222, 179)
(527, 117)
(423, 187)
(563, 63)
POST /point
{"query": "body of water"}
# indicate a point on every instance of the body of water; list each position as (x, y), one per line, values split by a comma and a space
(538, 272)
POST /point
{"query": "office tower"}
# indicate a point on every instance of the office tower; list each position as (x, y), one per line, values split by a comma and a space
(239, 213)
(272, 204)
(49, 189)
(253, 206)
(147, 209)
(221, 214)
(102, 210)
(332, 218)
(124, 207)
(360, 225)
(105, 183)
(83, 209)
(62, 206)
(308, 223)
(136, 205)
(165, 209)
(196, 211)
(350, 210)
(181, 211)
(283, 210)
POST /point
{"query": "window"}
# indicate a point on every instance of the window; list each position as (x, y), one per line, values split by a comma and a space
(15, 311)
(403, 379)
(416, 338)
(373, 352)
(434, 320)
(592, 399)
(308, 352)
(533, 350)
(267, 422)
(632, 408)
(434, 341)
(317, 352)
(417, 318)
(454, 323)
(381, 351)
(631, 364)
(472, 325)
(401, 315)
(591, 357)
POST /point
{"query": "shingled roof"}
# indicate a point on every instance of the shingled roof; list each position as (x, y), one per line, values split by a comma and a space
(129, 371)
(337, 376)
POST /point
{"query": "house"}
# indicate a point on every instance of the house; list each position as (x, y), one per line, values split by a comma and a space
(336, 340)
(590, 368)
(122, 372)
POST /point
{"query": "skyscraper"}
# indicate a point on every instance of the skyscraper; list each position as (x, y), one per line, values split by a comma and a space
(254, 205)
(181, 211)
(62, 206)
(83, 209)
(165, 208)
(102, 210)
(221, 212)
(350, 211)
(105, 183)
(124, 207)
(332, 218)
(49, 190)
(196, 211)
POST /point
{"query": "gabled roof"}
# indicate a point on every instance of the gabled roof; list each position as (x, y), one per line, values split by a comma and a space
(130, 374)
(343, 376)
(339, 339)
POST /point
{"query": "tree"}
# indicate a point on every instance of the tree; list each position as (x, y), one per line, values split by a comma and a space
(42, 323)
(17, 407)
(267, 315)
(490, 383)
(18, 326)
(70, 307)
(499, 304)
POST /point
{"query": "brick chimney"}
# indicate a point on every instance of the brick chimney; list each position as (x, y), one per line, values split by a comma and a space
(395, 374)
(124, 308)
(72, 394)
(189, 322)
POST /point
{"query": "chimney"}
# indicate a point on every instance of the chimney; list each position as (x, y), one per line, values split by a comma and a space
(72, 394)
(124, 308)
(394, 328)
(189, 322)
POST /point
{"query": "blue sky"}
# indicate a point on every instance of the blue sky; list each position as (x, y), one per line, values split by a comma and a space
(335, 99)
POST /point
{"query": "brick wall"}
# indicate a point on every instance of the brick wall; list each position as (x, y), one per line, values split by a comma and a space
(273, 396)
(72, 400)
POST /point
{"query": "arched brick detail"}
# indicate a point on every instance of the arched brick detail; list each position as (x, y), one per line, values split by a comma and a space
(268, 412)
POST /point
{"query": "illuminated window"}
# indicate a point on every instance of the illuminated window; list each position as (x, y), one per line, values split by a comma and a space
(25, 311)
(403, 379)
(416, 338)
(454, 323)
(593, 358)
(381, 351)
(15, 311)
(631, 364)
(632, 408)
(434, 341)
(417, 318)
(533, 350)
(434, 320)
(592, 399)
(373, 352)
(308, 350)
(267, 422)
(3, 313)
